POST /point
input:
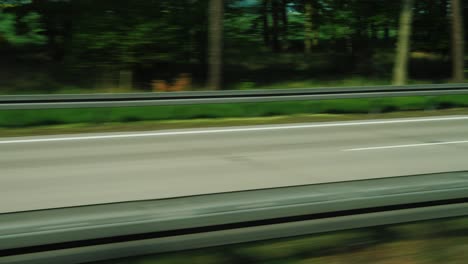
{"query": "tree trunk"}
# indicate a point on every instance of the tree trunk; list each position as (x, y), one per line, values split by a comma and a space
(387, 32)
(266, 26)
(106, 78)
(349, 45)
(276, 29)
(400, 70)
(215, 48)
(445, 6)
(284, 18)
(458, 54)
(373, 32)
(125, 79)
(3, 39)
(308, 26)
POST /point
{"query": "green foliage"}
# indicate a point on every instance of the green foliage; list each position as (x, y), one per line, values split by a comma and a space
(296, 26)
(122, 45)
(335, 30)
(240, 29)
(32, 29)
(115, 34)
(23, 30)
(13, 3)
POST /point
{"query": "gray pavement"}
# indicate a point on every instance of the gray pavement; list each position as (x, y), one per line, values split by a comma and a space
(62, 171)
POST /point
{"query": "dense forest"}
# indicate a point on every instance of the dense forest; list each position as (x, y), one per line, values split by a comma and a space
(167, 45)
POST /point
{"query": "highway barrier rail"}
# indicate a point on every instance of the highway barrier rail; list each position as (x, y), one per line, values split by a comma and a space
(218, 97)
(103, 232)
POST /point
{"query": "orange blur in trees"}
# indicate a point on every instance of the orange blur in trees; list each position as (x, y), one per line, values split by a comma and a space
(181, 83)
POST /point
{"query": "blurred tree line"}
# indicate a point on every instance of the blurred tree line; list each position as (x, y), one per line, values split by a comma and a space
(52, 44)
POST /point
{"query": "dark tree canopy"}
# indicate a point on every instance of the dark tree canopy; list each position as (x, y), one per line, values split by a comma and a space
(77, 43)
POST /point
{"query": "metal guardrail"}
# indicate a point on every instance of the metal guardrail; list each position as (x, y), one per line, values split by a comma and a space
(94, 233)
(217, 97)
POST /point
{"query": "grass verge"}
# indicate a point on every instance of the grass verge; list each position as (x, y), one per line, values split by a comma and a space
(55, 121)
(218, 122)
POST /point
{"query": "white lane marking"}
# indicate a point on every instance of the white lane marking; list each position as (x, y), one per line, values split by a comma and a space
(409, 145)
(240, 129)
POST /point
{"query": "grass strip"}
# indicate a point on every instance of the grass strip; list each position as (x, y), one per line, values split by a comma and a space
(216, 122)
(45, 121)
(25, 118)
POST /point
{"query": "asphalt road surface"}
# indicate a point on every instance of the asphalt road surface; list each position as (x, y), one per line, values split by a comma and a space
(72, 170)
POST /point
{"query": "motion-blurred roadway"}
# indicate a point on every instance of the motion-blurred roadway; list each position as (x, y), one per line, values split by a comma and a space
(72, 170)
